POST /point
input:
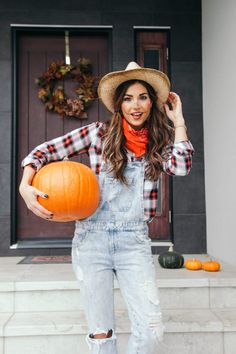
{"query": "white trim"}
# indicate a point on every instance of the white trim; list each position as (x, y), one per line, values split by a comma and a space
(14, 246)
(152, 27)
(161, 244)
(58, 26)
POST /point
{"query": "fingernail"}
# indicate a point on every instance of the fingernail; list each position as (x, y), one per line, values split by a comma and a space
(45, 196)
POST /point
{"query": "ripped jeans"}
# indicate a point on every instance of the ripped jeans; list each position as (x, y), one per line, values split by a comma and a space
(98, 254)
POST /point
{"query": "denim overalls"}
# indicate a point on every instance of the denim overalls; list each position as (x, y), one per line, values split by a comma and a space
(114, 241)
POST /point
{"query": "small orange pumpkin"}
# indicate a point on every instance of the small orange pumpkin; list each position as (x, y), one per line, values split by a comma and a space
(193, 264)
(72, 189)
(211, 266)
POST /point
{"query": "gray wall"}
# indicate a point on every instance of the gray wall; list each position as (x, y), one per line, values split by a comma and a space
(184, 17)
(219, 52)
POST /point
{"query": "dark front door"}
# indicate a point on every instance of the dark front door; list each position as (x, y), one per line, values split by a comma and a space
(36, 125)
(152, 52)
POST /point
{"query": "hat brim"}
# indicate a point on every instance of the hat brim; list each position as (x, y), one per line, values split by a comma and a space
(157, 79)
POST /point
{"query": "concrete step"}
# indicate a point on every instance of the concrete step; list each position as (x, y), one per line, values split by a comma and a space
(44, 287)
(187, 331)
(65, 295)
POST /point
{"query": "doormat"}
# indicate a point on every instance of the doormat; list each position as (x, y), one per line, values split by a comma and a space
(45, 260)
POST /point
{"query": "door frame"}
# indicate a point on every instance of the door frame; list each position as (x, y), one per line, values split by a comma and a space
(16, 31)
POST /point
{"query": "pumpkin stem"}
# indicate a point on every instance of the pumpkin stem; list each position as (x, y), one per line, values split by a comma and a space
(171, 248)
(65, 158)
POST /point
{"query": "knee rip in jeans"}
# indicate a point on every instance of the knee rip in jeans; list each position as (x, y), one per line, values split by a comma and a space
(100, 337)
(97, 335)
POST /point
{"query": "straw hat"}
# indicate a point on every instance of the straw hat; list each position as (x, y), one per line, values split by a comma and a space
(109, 83)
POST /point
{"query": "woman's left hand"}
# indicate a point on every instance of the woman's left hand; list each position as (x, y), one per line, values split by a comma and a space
(175, 114)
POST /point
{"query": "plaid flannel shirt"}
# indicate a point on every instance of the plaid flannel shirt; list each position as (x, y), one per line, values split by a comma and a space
(88, 139)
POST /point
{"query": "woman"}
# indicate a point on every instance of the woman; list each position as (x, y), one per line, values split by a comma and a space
(127, 154)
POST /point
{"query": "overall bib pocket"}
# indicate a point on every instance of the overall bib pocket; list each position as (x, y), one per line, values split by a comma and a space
(117, 196)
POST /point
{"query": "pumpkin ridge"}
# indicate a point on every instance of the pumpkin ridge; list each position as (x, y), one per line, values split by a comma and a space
(90, 196)
(64, 190)
(79, 194)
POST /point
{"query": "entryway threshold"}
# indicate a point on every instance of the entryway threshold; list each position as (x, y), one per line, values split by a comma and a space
(38, 244)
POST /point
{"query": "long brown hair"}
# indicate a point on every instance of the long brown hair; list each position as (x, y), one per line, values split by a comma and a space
(160, 134)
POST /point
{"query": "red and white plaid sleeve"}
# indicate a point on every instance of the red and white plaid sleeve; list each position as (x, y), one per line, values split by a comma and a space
(76, 142)
(177, 158)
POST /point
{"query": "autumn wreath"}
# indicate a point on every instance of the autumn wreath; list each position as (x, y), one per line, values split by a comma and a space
(53, 95)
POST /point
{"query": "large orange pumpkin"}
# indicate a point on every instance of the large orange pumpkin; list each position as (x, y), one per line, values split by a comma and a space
(72, 188)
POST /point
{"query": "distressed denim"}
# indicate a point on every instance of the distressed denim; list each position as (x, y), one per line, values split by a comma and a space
(114, 242)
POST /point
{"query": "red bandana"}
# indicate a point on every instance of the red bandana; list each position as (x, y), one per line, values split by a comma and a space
(136, 140)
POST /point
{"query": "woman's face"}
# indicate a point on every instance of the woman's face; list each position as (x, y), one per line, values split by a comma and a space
(136, 105)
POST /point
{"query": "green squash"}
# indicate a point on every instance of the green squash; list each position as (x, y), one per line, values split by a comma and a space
(171, 259)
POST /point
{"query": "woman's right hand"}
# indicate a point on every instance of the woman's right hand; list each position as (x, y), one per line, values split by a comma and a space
(30, 195)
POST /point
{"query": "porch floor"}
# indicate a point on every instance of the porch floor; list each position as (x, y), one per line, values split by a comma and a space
(13, 272)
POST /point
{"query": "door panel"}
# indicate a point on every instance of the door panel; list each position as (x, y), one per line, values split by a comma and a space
(151, 51)
(36, 125)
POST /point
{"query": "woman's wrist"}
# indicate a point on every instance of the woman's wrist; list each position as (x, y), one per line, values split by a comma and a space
(180, 126)
(180, 123)
(28, 175)
(180, 129)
